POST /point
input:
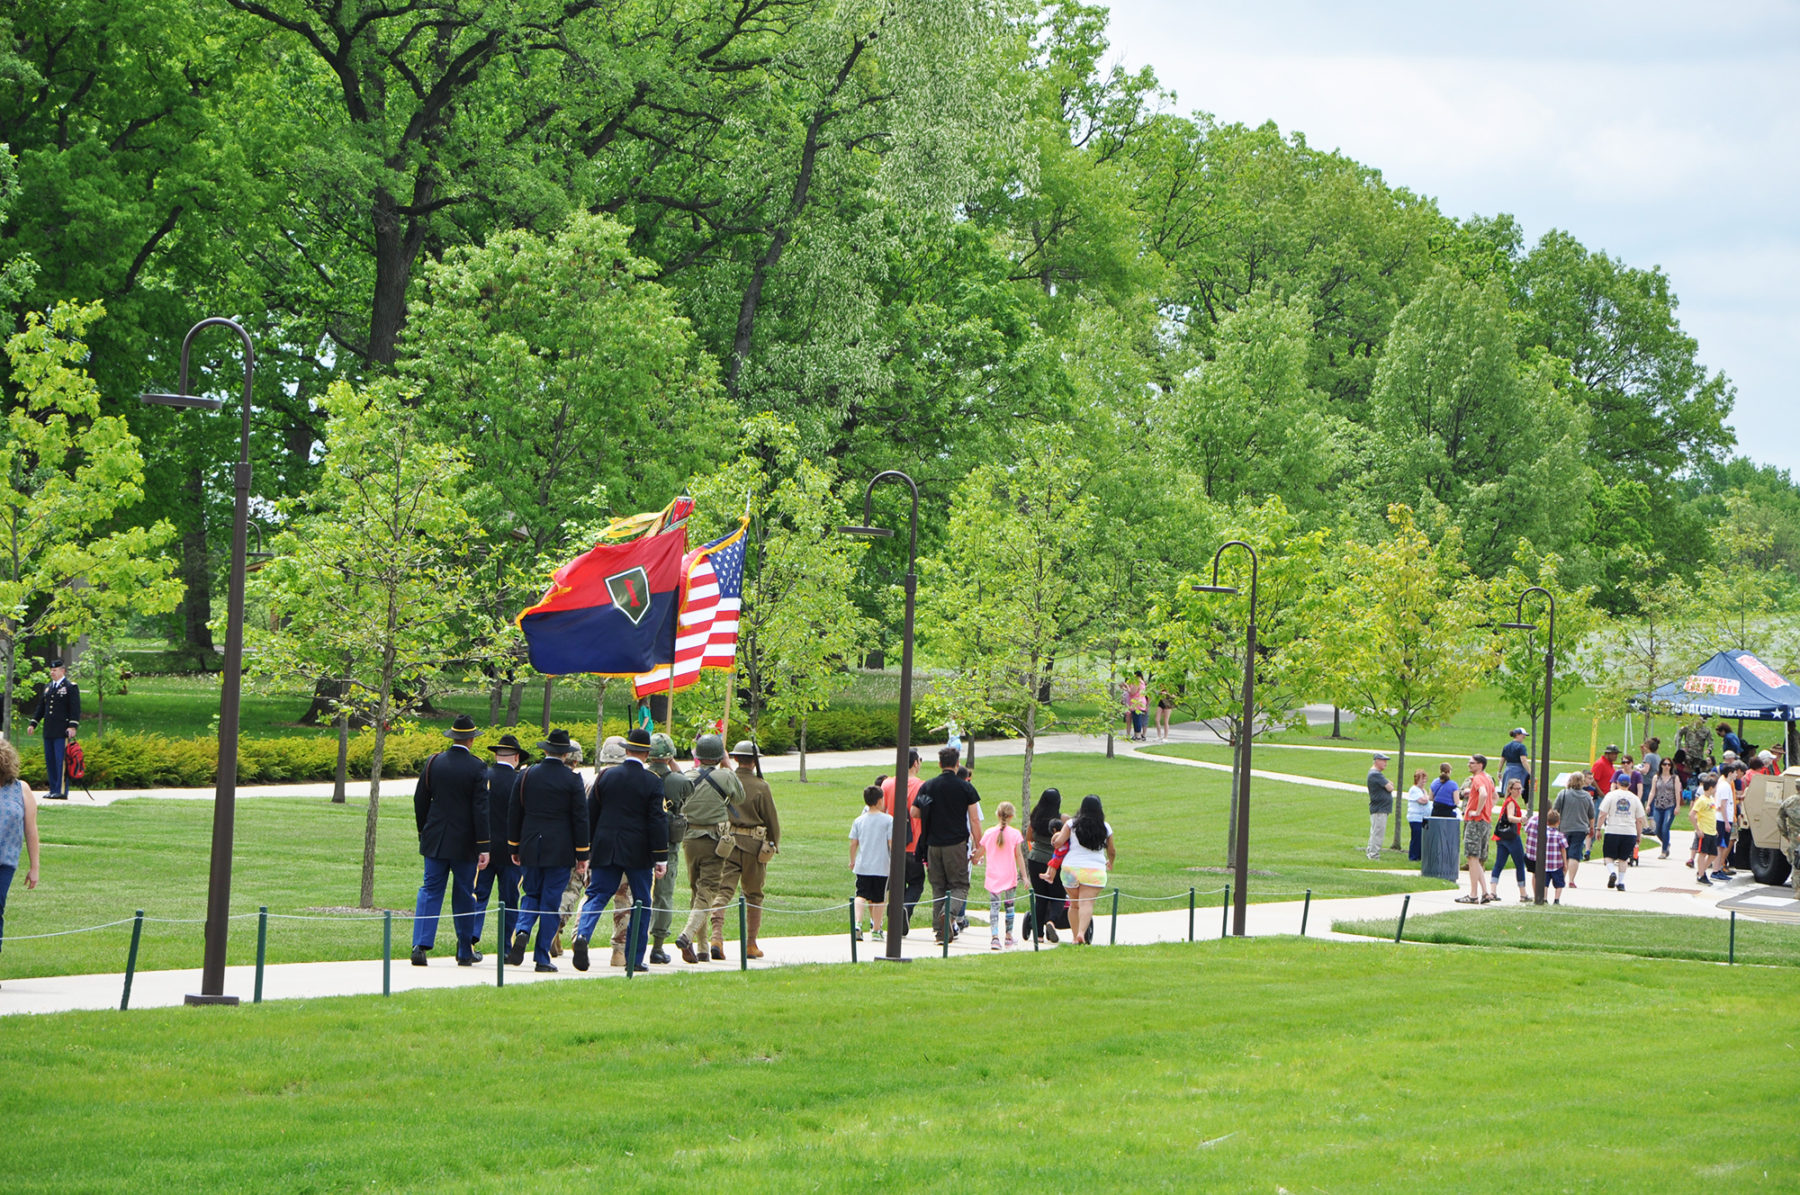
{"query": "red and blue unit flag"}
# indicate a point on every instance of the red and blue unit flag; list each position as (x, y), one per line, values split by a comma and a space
(610, 611)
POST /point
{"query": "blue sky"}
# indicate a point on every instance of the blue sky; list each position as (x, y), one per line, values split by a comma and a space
(1666, 134)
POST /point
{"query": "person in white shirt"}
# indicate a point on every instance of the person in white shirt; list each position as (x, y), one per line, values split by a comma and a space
(1622, 826)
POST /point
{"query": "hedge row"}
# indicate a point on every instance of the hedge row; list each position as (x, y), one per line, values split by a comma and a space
(121, 760)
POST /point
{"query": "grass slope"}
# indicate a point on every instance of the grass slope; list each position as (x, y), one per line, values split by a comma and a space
(1650, 935)
(101, 863)
(1265, 1065)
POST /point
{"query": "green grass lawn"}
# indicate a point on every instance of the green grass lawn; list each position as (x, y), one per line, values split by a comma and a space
(1651, 935)
(293, 854)
(1260, 1065)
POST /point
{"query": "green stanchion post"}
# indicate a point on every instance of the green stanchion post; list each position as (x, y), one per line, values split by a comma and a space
(949, 925)
(1401, 927)
(853, 928)
(1225, 913)
(500, 935)
(137, 935)
(631, 924)
(262, 949)
(1731, 951)
(1305, 909)
(743, 935)
(1112, 938)
(1190, 914)
(387, 952)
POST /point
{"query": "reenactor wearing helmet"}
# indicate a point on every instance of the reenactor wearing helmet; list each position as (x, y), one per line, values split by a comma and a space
(676, 788)
(707, 845)
(756, 833)
(1787, 820)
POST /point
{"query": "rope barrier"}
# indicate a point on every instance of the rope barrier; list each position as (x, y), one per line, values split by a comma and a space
(63, 933)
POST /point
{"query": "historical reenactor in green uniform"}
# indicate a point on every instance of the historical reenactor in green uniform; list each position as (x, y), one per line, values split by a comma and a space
(714, 789)
(676, 788)
(756, 832)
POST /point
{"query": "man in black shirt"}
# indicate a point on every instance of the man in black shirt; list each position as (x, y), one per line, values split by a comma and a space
(949, 820)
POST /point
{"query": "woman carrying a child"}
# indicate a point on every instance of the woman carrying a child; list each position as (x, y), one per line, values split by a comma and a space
(1049, 900)
(1089, 839)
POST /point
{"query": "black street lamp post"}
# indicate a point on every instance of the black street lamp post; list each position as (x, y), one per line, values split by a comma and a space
(1240, 848)
(1543, 761)
(218, 889)
(896, 903)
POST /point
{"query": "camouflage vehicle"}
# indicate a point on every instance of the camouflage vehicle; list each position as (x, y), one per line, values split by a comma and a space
(1768, 836)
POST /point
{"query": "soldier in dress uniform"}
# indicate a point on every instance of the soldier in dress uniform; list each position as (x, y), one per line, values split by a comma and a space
(450, 804)
(714, 789)
(756, 831)
(676, 788)
(547, 831)
(59, 712)
(502, 776)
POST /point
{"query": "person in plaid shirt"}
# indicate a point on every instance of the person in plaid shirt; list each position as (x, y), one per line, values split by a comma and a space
(1555, 850)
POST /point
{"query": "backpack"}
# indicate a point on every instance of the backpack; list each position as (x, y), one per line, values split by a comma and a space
(75, 762)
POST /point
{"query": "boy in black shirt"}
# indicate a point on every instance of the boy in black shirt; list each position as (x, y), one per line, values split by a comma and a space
(948, 821)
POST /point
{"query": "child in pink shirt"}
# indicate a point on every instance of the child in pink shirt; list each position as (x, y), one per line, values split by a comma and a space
(1003, 849)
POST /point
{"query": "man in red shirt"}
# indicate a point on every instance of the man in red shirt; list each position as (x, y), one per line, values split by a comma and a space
(915, 871)
(1604, 767)
(1478, 829)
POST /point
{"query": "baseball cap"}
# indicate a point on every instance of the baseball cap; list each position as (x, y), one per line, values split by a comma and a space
(1380, 755)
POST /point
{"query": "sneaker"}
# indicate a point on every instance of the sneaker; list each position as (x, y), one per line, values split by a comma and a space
(856, 933)
(1050, 932)
(1621, 885)
(994, 944)
(875, 934)
(1557, 901)
(1009, 941)
(1706, 881)
(1721, 875)
(1612, 881)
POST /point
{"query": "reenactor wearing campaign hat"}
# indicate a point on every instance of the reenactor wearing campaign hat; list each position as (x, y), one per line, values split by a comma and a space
(547, 831)
(756, 833)
(502, 777)
(707, 846)
(450, 804)
(676, 789)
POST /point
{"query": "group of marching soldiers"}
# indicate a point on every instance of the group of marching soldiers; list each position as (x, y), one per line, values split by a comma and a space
(560, 850)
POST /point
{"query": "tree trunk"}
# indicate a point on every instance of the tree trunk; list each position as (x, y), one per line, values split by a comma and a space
(513, 701)
(549, 688)
(367, 898)
(397, 242)
(196, 575)
(6, 700)
(494, 696)
(328, 696)
(1399, 772)
(341, 778)
(803, 748)
(1337, 724)
(1030, 752)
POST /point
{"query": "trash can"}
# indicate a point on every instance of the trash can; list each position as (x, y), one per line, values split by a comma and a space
(1441, 853)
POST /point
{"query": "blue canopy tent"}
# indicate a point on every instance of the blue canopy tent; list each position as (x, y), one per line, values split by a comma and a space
(1733, 684)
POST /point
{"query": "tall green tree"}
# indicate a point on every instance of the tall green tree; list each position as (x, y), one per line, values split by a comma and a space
(1007, 599)
(371, 571)
(68, 476)
(1519, 674)
(1404, 634)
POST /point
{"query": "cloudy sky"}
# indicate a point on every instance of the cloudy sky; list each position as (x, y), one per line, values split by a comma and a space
(1664, 133)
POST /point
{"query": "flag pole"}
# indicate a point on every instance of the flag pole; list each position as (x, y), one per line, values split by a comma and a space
(674, 637)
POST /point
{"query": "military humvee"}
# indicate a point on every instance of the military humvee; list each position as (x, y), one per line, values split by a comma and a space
(1761, 845)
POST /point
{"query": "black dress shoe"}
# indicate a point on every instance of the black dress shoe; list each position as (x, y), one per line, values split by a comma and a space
(475, 956)
(418, 956)
(580, 948)
(657, 956)
(544, 968)
(515, 954)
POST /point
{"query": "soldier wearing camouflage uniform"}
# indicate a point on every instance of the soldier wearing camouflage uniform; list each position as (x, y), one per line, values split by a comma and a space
(1787, 820)
(1696, 740)
(713, 791)
(676, 788)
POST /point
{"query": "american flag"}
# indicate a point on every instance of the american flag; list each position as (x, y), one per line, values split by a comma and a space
(707, 629)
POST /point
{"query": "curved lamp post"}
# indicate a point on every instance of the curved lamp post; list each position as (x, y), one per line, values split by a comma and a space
(1543, 794)
(218, 887)
(896, 904)
(1240, 847)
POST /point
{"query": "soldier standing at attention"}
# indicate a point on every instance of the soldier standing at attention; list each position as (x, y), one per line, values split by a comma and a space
(547, 829)
(502, 775)
(756, 832)
(676, 788)
(714, 790)
(450, 804)
(59, 712)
